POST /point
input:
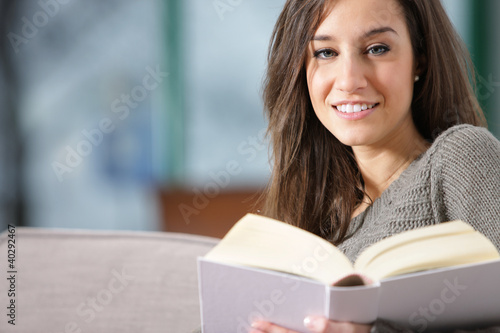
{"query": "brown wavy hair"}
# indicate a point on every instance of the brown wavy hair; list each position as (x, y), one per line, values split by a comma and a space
(315, 183)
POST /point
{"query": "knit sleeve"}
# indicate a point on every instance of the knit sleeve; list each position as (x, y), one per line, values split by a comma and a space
(469, 179)
(382, 326)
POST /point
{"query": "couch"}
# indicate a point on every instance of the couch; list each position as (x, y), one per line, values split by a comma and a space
(76, 281)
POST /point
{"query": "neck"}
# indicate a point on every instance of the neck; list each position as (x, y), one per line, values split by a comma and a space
(383, 163)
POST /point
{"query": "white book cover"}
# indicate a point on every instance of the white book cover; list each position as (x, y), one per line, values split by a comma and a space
(233, 296)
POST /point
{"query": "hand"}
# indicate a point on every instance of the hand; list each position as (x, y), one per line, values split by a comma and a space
(313, 324)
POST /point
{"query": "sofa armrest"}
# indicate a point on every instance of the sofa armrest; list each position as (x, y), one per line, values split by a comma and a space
(71, 281)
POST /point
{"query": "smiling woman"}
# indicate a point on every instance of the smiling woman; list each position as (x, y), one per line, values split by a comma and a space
(375, 127)
(323, 63)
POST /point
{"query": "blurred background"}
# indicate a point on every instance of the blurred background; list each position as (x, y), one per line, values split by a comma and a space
(147, 115)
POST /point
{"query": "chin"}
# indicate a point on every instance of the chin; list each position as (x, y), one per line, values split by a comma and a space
(352, 140)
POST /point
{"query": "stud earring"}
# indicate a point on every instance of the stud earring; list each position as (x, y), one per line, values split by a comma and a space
(417, 78)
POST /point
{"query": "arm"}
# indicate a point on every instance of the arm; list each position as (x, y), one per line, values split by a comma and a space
(322, 325)
(382, 326)
(468, 174)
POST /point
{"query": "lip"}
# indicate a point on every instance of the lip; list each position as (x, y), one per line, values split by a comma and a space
(353, 102)
(354, 115)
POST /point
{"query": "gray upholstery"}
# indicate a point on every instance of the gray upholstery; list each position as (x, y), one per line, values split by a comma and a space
(90, 281)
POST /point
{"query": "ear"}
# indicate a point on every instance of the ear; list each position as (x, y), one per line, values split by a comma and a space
(420, 65)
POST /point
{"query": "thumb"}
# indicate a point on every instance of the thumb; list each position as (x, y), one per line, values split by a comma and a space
(316, 324)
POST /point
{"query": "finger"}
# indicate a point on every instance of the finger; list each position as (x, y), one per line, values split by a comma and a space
(350, 327)
(266, 327)
(316, 324)
(323, 325)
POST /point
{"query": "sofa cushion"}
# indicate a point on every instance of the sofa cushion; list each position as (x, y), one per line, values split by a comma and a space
(69, 281)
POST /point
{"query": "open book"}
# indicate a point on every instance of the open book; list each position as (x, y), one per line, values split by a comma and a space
(263, 242)
(435, 277)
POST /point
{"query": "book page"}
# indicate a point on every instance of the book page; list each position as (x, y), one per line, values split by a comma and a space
(267, 243)
(430, 247)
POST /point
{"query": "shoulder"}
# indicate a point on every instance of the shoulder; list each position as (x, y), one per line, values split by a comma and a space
(465, 143)
(465, 173)
(464, 160)
(465, 136)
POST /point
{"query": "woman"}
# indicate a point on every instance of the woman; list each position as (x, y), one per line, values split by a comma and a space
(375, 127)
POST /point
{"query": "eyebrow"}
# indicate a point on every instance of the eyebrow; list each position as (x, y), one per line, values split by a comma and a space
(379, 31)
(366, 35)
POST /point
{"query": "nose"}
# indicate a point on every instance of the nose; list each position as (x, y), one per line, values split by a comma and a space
(350, 74)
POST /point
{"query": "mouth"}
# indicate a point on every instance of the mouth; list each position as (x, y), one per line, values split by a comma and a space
(354, 108)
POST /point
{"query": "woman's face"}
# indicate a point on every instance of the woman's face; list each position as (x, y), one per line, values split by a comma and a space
(361, 72)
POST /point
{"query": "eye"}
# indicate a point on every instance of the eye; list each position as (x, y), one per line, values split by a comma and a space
(325, 53)
(378, 50)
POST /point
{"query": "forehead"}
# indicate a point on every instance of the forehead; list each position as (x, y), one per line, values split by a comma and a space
(356, 17)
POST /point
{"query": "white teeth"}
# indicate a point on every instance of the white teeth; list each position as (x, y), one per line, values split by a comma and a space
(351, 108)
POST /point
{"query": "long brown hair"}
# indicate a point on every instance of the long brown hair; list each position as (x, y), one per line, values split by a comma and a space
(315, 183)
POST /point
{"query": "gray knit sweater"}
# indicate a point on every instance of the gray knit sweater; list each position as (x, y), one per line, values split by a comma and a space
(458, 177)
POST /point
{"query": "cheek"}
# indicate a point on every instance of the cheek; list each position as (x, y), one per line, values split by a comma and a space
(319, 87)
(398, 89)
